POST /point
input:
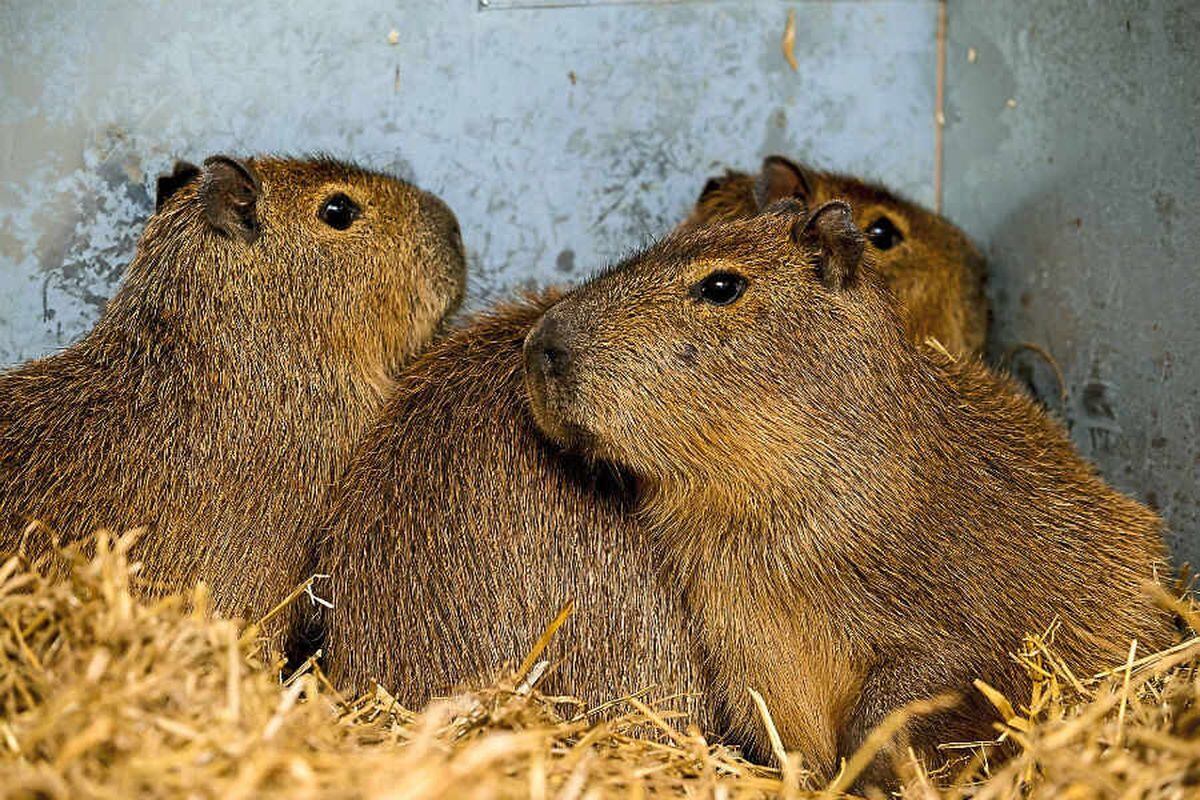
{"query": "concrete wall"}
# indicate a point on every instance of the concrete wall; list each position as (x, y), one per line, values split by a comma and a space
(565, 133)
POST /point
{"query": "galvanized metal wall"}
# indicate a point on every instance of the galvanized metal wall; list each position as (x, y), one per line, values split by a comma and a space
(1072, 155)
(565, 133)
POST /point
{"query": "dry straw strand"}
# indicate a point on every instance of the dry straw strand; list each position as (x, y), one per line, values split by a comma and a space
(103, 695)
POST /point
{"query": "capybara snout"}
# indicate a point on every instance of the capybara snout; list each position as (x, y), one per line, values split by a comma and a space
(550, 354)
(548, 350)
(441, 219)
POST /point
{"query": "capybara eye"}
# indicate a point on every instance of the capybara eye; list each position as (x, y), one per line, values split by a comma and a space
(721, 288)
(339, 211)
(884, 234)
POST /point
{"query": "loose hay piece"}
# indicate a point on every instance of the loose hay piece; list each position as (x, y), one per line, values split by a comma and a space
(105, 696)
(788, 43)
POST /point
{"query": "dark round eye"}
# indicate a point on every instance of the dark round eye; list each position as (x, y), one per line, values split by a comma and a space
(884, 234)
(339, 211)
(721, 288)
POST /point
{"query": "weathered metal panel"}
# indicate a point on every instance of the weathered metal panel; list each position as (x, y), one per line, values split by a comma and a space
(561, 136)
(1072, 155)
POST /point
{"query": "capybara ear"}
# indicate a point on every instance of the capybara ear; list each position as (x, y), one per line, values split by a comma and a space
(781, 179)
(183, 174)
(713, 184)
(230, 195)
(831, 232)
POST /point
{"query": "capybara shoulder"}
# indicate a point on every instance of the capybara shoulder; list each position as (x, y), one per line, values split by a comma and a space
(219, 394)
(459, 533)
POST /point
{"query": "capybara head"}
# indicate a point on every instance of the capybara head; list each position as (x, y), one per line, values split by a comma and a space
(316, 255)
(691, 356)
(931, 265)
(217, 398)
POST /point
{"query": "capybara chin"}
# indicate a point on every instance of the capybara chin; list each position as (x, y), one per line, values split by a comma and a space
(219, 394)
(856, 521)
(929, 264)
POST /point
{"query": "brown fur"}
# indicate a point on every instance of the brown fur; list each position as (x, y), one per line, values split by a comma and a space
(219, 394)
(857, 521)
(935, 270)
(458, 535)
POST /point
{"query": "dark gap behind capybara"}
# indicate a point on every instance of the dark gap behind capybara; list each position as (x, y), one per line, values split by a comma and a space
(218, 396)
(857, 521)
(458, 533)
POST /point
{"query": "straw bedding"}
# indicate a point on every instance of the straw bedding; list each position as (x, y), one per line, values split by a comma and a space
(104, 696)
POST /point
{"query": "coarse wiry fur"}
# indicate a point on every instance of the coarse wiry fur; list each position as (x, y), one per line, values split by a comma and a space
(857, 521)
(935, 271)
(458, 534)
(219, 394)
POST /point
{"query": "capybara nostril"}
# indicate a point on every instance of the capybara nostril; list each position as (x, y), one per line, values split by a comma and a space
(546, 351)
(554, 359)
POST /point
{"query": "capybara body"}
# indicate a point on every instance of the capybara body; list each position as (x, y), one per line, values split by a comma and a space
(458, 534)
(857, 521)
(219, 394)
(929, 264)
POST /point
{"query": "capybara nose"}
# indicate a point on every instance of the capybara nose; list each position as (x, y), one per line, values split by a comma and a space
(434, 209)
(546, 351)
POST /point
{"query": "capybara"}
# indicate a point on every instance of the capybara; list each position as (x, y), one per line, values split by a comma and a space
(220, 392)
(930, 265)
(857, 521)
(457, 535)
